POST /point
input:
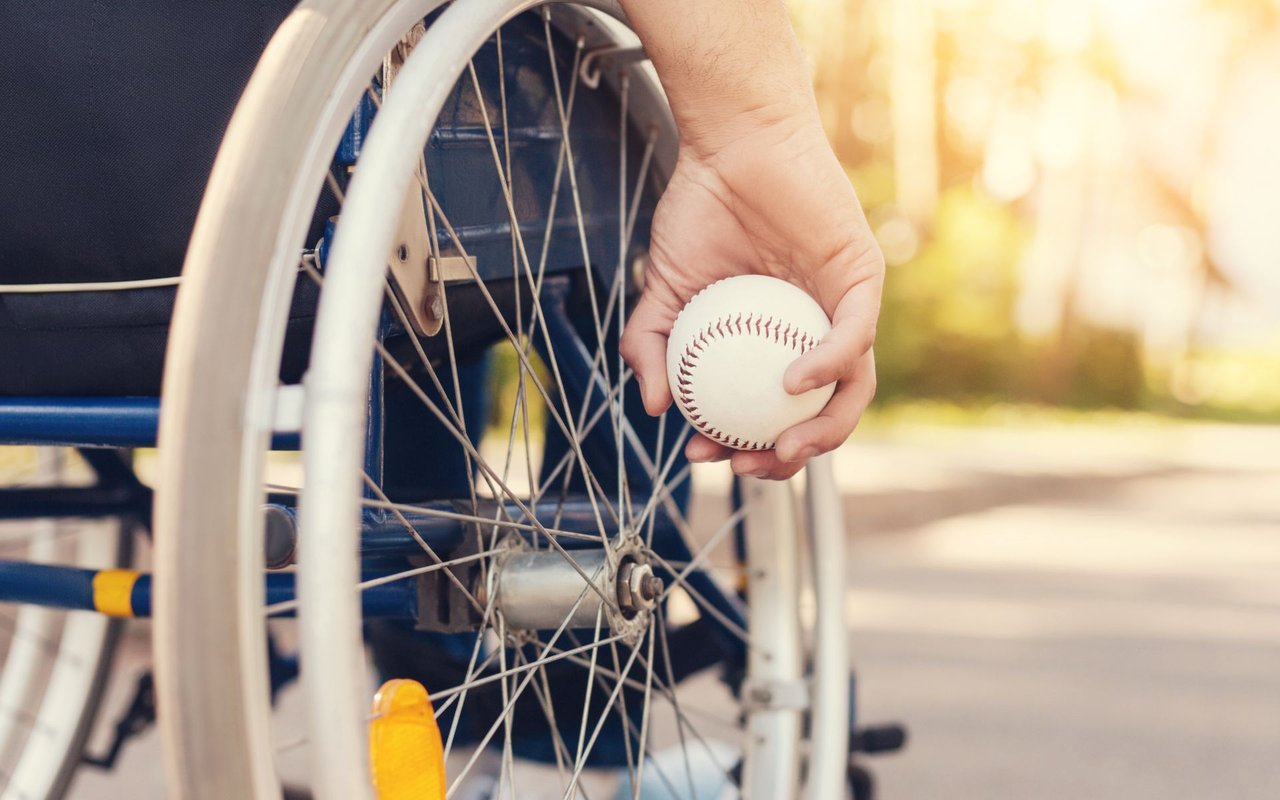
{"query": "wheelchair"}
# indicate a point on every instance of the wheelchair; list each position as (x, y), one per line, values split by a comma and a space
(395, 439)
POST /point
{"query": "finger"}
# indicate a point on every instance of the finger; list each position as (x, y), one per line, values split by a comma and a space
(832, 427)
(852, 334)
(644, 347)
(701, 449)
(763, 464)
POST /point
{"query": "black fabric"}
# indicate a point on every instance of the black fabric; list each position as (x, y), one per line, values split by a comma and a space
(110, 117)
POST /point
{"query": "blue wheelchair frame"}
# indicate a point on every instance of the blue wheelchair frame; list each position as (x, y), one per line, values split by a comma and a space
(99, 427)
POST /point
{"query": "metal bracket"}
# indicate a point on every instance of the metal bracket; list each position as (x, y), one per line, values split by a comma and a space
(421, 296)
(776, 696)
(416, 281)
(594, 62)
(451, 268)
(442, 606)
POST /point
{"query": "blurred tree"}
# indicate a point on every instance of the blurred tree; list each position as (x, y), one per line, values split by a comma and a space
(992, 143)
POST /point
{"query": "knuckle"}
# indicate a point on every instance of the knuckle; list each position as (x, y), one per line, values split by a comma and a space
(827, 442)
(869, 334)
(627, 346)
(870, 258)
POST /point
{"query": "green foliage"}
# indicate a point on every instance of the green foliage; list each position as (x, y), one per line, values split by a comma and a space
(947, 327)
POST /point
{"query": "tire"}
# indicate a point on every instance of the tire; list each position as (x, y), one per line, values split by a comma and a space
(222, 400)
(54, 664)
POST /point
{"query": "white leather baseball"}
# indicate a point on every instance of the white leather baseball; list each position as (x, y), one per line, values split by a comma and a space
(728, 351)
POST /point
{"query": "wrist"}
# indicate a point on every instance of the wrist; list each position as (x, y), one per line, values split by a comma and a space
(726, 133)
(713, 126)
(728, 69)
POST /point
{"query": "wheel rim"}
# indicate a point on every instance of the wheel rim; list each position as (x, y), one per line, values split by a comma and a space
(336, 409)
(52, 663)
(340, 769)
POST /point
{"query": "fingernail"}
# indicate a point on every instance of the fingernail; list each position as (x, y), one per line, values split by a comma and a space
(802, 387)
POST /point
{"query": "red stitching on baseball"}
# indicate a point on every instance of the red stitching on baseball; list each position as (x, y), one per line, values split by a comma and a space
(777, 332)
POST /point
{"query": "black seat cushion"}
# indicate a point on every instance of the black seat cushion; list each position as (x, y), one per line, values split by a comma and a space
(110, 117)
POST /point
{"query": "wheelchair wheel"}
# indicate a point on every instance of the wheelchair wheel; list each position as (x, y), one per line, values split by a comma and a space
(53, 664)
(485, 509)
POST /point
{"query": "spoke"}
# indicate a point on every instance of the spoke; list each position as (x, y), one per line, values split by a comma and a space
(593, 486)
(455, 409)
(663, 488)
(731, 626)
(586, 701)
(628, 729)
(620, 281)
(505, 774)
(474, 667)
(414, 387)
(726, 527)
(430, 551)
(332, 183)
(459, 420)
(604, 715)
(290, 605)
(531, 672)
(524, 668)
(657, 457)
(560, 162)
(524, 258)
(520, 410)
(682, 721)
(646, 160)
(542, 691)
(573, 182)
(638, 781)
(427, 511)
(425, 183)
(663, 688)
(631, 729)
(390, 361)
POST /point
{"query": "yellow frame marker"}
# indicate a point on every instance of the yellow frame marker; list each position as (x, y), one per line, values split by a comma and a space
(113, 592)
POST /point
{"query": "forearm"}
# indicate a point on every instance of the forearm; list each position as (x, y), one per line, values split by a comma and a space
(728, 66)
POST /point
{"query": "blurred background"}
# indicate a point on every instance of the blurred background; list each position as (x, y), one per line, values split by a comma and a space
(1077, 200)
(1065, 504)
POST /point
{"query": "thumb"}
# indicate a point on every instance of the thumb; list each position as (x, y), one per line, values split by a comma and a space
(644, 346)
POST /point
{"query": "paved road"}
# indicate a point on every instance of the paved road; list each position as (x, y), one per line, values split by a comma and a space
(1080, 614)
(1085, 614)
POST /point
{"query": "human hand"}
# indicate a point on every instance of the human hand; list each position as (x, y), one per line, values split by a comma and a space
(771, 200)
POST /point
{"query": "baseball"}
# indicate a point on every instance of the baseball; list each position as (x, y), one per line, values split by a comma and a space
(728, 351)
